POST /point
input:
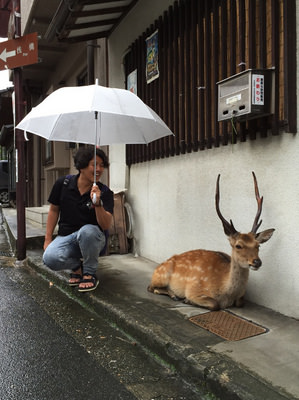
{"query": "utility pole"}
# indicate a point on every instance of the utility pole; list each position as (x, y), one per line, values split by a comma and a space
(19, 143)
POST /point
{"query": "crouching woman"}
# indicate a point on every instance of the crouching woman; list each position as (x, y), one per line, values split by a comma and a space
(83, 212)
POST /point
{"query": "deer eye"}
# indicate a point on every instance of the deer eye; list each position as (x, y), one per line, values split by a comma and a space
(238, 246)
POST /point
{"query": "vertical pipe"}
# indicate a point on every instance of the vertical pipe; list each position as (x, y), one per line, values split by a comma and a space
(90, 62)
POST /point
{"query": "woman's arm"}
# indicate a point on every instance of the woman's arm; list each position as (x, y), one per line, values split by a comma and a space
(51, 223)
(104, 218)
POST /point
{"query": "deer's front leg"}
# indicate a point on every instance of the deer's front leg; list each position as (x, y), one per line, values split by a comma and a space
(165, 291)
(203, 301)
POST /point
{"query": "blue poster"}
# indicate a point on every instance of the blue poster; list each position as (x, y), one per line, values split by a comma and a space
(152, 53)
(132, 82)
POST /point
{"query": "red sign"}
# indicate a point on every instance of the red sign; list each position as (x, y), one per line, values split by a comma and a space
(19, 52)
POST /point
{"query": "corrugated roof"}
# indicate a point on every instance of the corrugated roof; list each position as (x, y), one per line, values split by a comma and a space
(82, 20)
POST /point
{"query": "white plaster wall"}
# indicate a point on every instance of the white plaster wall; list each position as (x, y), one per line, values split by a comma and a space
(173, 199)
(117, 171)
(174, 209)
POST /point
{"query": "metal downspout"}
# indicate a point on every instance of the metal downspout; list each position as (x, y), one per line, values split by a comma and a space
(90, 61)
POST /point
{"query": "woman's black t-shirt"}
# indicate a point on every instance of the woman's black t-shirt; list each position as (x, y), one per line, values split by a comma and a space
(76, 210)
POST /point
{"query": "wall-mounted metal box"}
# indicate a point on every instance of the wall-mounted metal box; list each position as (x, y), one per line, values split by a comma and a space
(246, 95)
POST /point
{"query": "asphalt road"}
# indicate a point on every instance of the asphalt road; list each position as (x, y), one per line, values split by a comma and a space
(52, 347)
(39, 360)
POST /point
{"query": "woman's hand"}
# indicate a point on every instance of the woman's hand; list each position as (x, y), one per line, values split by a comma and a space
(47, 242)
(95, 195)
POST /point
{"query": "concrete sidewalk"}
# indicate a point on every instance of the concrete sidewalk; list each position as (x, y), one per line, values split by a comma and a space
(261, 367)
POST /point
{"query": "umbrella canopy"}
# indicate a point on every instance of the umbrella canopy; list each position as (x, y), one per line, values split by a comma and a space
(70, 114)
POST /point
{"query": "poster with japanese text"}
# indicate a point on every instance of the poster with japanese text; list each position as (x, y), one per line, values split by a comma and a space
(152, 53)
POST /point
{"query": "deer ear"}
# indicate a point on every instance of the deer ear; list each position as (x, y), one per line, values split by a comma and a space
(264, 236)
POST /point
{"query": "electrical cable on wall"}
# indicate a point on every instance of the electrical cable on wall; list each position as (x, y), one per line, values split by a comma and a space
(234, 130)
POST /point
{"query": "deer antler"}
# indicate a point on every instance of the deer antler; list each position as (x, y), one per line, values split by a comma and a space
(228, 227)
(256, 223)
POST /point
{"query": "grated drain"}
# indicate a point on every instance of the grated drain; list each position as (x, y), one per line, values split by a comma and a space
(227, 325)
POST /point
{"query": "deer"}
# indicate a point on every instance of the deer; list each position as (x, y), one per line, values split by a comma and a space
(213, 279)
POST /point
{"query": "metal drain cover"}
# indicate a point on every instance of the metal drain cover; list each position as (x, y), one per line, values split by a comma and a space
(227, 325)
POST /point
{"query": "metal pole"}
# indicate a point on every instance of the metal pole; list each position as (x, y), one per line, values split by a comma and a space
(20, 153)
(90, 61)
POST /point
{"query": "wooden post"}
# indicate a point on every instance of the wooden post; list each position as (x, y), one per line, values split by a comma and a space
(19, 143)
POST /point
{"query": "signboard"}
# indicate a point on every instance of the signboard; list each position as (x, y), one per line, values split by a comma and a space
(19, 52)
(258, 89)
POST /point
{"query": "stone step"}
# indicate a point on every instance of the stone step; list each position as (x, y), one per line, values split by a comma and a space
(38, 215)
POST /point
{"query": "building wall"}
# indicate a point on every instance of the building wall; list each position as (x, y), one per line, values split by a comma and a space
(173, 198)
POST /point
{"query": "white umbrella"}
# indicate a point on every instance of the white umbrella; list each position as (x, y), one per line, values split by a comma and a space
(94, 115)
(69, 113)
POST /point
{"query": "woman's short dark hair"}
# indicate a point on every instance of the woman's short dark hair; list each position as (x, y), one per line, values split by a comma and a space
(85, 154)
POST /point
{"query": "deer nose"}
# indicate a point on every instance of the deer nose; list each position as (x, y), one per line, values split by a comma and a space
(256, 263)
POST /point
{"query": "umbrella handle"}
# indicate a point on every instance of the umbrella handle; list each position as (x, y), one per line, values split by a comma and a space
(94, 196)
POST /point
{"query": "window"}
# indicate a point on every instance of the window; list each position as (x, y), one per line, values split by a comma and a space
(49, 156)
(4, 166)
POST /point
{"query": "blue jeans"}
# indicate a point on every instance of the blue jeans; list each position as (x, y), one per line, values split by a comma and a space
(66, 252)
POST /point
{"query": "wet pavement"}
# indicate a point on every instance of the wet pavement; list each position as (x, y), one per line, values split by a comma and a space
(39, 360)
(53, 347)
(262, 367)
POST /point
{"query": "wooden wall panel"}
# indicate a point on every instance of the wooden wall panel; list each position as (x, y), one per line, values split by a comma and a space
(201, 43)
